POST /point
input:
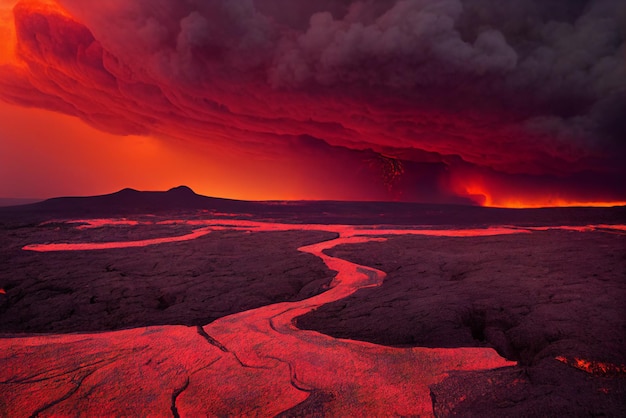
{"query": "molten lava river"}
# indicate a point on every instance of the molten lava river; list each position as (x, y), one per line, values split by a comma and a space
(253, 363)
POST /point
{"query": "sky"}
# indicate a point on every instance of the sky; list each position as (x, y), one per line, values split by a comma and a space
(514, 104)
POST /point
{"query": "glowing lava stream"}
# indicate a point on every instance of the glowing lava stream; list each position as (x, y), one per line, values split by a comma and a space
(197, 233)
(361, 379)
(247, 364)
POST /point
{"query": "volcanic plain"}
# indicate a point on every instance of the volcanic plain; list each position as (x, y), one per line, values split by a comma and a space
(173, 304)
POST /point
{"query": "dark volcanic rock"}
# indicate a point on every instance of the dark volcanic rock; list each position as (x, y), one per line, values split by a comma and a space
(543, 299)
(183, 199)
(187, 283)
(511, 392)
(533, 297)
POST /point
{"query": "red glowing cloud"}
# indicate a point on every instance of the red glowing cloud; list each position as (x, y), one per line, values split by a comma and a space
(435, 101)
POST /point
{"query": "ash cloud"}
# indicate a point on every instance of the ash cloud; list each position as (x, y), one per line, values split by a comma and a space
(519, 88)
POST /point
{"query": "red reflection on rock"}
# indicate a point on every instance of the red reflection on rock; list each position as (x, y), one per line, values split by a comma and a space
(610, 229)
(363, 379)
(82, 246)
(99, 223)
(597, 368)
(251, 363)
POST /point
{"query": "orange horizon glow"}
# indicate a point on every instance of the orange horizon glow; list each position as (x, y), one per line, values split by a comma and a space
(496, 197)
(422, 114)
(141, 163)
(559, 203)
(46, 153)
(34, 136)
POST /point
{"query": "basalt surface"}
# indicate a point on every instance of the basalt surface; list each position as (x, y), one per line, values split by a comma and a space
(184, 283)
(553, 301)
(154, 315)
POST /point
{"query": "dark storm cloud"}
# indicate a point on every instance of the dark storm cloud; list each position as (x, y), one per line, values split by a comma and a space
(560, 56)
(565, 47)
(520, 87)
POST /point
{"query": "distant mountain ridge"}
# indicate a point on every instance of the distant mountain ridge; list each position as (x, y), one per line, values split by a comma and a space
(130, 201)
(15, 201)
(183, 199)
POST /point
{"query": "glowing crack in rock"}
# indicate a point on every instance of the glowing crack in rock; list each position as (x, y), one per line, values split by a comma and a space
(98, 223)
(246, 364)
(597, 368)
